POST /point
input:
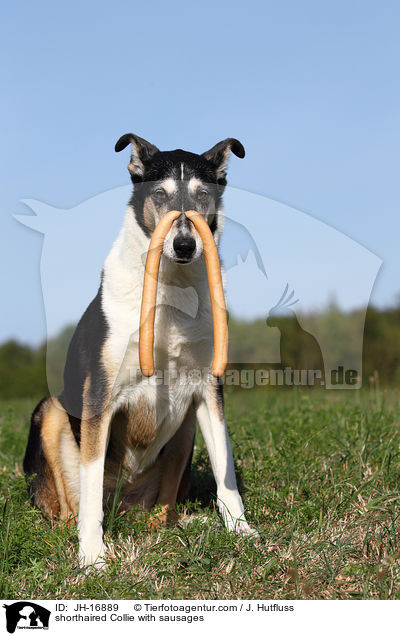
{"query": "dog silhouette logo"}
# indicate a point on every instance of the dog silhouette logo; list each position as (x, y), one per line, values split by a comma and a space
(26, 615)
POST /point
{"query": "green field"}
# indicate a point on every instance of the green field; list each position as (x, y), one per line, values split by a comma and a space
(319, 477)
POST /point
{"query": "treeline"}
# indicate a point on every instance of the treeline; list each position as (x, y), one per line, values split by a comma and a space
(33, 372)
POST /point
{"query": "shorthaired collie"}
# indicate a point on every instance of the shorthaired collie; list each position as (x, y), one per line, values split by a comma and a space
(112, 428)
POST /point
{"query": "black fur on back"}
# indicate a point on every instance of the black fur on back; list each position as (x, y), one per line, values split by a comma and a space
(83, 360)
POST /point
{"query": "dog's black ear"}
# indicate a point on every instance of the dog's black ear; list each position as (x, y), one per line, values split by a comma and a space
(142, 152)
(219, 155)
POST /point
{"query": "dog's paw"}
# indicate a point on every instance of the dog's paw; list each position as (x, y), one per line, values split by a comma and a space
(92, 553)
(241, 526)
(249, 532)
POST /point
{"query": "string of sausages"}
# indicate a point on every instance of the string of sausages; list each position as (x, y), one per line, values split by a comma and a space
(148, 308)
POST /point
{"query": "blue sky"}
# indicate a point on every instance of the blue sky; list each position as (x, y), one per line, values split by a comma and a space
(311, 89)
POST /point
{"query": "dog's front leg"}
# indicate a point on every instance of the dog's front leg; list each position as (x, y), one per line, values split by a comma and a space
(210, 415)
(94, 439)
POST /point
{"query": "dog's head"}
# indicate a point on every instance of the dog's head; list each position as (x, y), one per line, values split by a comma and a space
(178, 180)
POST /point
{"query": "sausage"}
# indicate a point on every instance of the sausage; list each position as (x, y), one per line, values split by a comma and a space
(147, 313)
(149, 297)
(215, 286)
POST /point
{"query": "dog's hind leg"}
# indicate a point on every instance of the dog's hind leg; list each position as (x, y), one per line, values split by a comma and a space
(175, 468)
(43, 460)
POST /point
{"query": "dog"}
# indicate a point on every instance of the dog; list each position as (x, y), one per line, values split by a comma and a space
(111, 429)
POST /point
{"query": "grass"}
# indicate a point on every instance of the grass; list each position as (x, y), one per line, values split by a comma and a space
(320, 478)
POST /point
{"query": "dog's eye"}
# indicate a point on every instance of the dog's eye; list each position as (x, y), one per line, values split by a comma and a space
(202, 194)
(160, 194)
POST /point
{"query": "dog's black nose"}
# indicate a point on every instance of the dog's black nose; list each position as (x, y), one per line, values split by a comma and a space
(184, 246)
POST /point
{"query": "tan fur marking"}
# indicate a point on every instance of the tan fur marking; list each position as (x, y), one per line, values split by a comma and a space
(141, 424)
(53, 422)
(166, 517)
(149, 214)
(70, 457)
